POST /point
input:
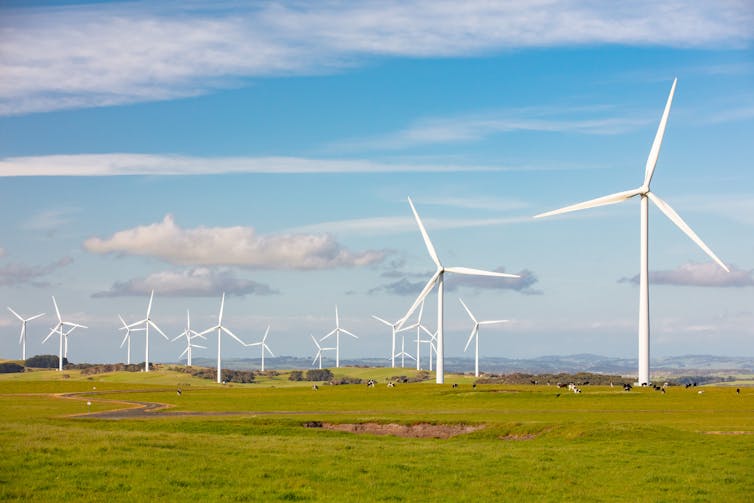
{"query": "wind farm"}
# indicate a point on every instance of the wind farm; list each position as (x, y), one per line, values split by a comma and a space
(415, 167)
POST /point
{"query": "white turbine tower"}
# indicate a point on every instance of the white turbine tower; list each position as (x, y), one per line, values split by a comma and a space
(147, 322)
(438, 279)
(645, 195)
(189, 334)
(263, 344)
(320, 350)
(24, 321)
(475, 335)
(220, 329)
(127, 338)
(336, 331)
(431, 342)
(59, 329)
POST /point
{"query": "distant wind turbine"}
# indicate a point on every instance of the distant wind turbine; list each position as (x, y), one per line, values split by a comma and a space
(189, 335)
(127, 337)
(645, 195)
(220, 329)
(320, 350)
(403, 353)
(24, 321)
(336, 331)
(59, 329)
(147, 322)
(438, 279)
(475, 335)
(264, 346)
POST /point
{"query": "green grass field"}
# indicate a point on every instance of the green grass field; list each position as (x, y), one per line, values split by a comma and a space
(601, 445)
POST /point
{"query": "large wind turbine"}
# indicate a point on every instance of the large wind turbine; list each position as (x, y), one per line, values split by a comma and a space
(147, 322)
(220, 329)
(24, 321)
(438, 279)
(645, 195)
(320, 350)
(336, 331)
(189, 334)
(475, 335)
(264, 345)
(58, 329)
(127, 338)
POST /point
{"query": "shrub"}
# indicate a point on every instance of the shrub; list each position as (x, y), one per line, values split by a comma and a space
(319, 375)
(45, 362)
(10, 368)
(296, 375)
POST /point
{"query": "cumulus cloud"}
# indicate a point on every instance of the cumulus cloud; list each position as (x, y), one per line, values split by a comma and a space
(194, 282)
(704, 274)
(523, 285)
(21, 274)
(239, 246)
(110, 54)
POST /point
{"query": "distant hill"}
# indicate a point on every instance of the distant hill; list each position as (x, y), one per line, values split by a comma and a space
(674, 365)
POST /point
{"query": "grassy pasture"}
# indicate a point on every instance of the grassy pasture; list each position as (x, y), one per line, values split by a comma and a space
(601, 445)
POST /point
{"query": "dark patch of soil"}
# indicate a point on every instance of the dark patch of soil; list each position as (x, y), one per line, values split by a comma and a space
(518, 437)
(421, 430)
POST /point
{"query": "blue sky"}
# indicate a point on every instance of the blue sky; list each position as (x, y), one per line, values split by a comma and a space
(267, 150)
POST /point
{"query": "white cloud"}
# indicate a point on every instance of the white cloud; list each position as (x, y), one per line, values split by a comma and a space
(240, 246)
(467, 128)
(104, 54)
(704, 274)
(115, 164)
(194, 282)
(50, 220)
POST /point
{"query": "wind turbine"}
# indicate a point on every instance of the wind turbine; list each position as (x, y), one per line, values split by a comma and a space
(645, 195)
(393, 327)
(127, 338)
(58, 328)
(189, 334)
(475, 335)
(147, 322)
(431, 341)
(403, 353)
(264, 345)
(220, 329)
(320, 349)
(24, 321)
(438, 279)
(336, 331)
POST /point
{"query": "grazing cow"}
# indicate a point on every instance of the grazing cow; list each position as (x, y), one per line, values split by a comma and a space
(738, 391)
(557, 395)
(454, 385)
(627, 387)
(700, 392)
(391, 384)
(473, 385)
(178, 392)
(315, 387)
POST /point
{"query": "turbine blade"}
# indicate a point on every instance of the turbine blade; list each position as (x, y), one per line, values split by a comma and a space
(125, 325)
(57, 311)
(493, 322)
(427, 242)
(654, 152)
(209, 330)
(158, 329)
(35, 316)
(471, 337)
(467, 309)
(222, 305)
(268, 349)
(316, 342)
(124, 340)
(427, 288)
(198, 346)
(676, 219)
(349, 333)
(253, 344)
(594, 203)
(480, 272)
(53, 331)
(329, 334)
(316, 357)
(15, 314)
(149, 307)
(23, 332)
(184, 352)
(382, 321)
(178, 337)
(232, 335)
(421, 312)
(426, 331)
(266, 333)
(132, 325)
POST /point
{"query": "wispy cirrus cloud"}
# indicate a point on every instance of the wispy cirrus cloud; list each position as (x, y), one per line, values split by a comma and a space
(468, 128)
(194, 282)
(16, 274)
(109, 54)
(523, 284)
(237, 246)
(706, 274)
(119, 164)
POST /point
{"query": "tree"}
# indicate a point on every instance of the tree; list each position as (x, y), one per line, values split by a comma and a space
(319, 375)
(45, 361)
